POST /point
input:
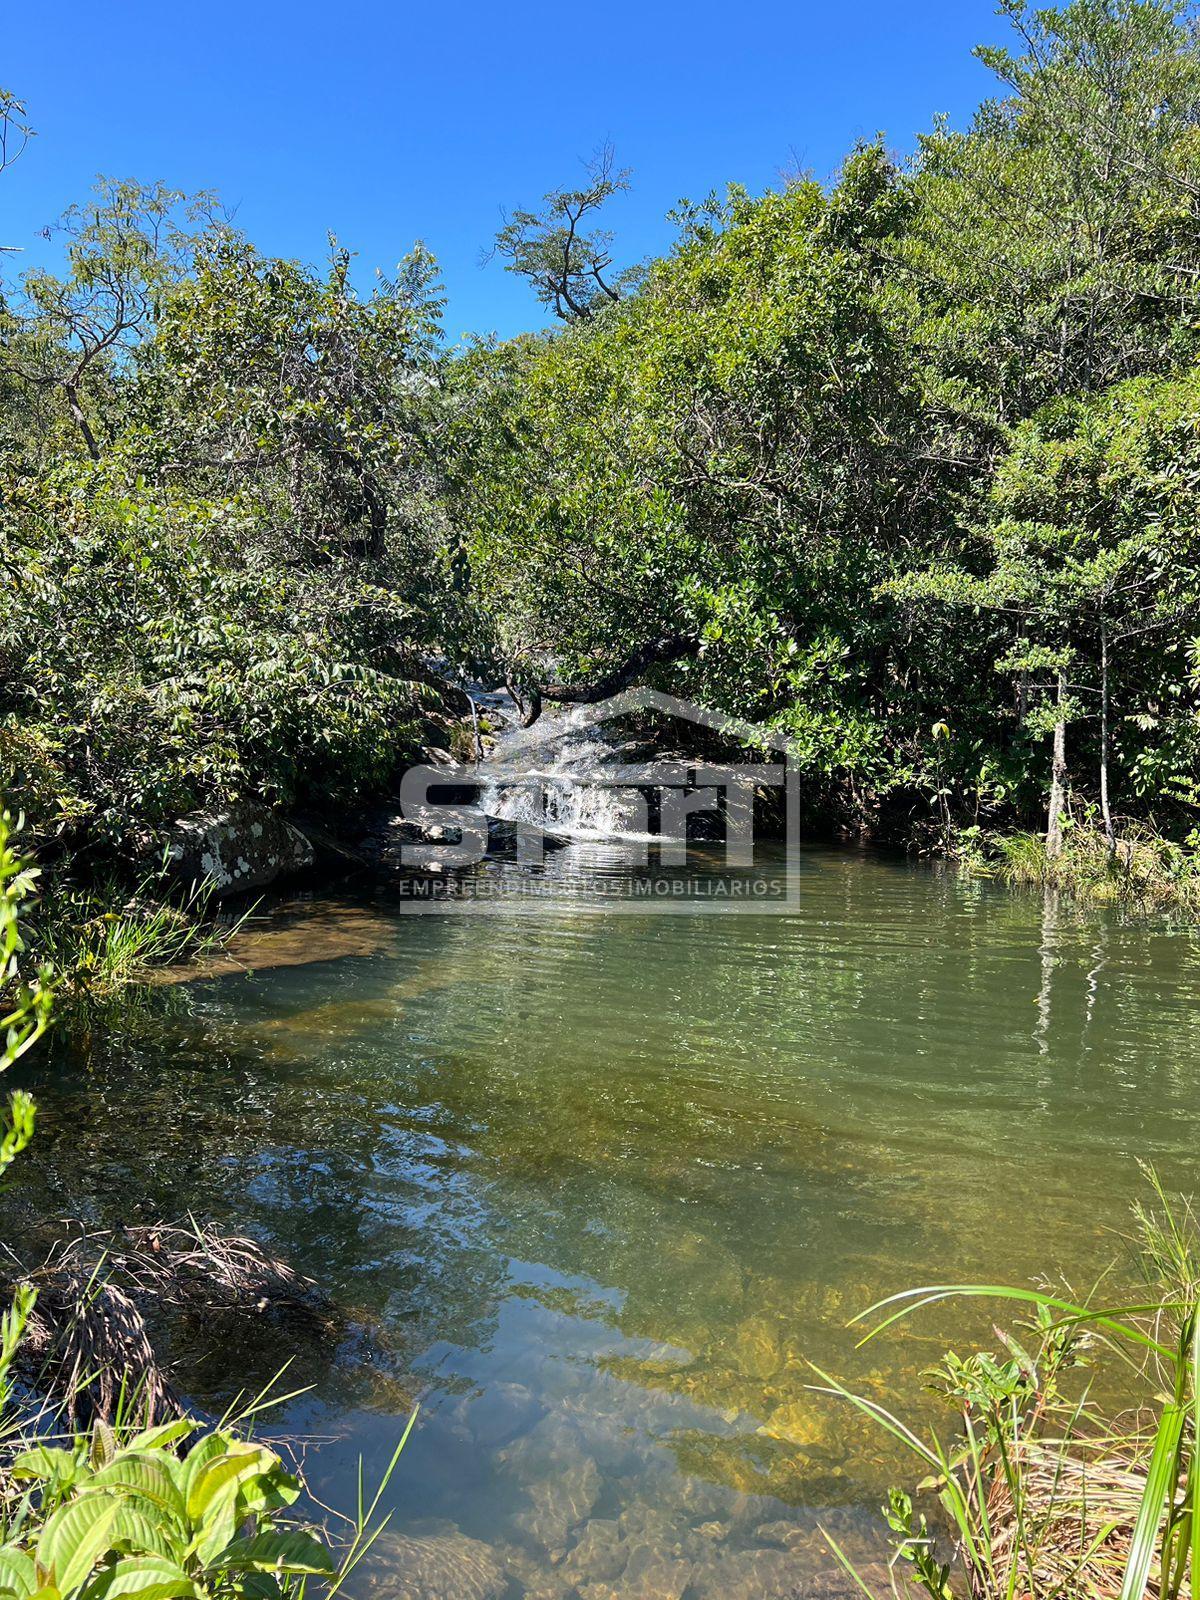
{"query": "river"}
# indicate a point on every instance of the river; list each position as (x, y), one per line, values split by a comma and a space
(601, 1187)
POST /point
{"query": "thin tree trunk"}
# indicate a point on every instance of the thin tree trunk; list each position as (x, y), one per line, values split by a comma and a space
(1058, 776)
(81, 421)
(658, 652)
(1110, 836)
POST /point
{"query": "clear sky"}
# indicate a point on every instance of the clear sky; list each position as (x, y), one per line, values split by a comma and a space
(391, 122)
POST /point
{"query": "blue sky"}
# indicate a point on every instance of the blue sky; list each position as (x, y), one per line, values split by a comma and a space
(389, 122)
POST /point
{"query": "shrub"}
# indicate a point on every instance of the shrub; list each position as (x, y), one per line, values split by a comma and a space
(104, 1518)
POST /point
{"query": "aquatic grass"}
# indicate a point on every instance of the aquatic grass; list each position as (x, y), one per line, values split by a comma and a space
(1140, 868)
(1040, 1494)
(105, 939)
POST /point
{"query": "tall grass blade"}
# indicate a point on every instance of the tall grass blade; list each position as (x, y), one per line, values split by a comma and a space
(1114, 1319)
(1159, 1478)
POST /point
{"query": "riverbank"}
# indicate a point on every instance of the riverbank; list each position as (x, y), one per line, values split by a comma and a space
(1138, 870)
(104, 942)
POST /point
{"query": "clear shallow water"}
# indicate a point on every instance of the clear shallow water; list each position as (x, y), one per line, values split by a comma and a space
(607, 1183)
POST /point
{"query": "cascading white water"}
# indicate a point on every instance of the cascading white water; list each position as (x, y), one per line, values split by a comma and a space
(557, 783)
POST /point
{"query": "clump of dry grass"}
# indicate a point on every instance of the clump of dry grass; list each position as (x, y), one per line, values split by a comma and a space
(1072, 1532)
(88, 1347)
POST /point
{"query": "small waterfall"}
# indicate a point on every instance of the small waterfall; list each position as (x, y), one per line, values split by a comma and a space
(559, 784)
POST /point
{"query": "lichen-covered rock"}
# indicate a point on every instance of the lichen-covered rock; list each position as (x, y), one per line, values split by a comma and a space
(244, 847)
(648, 1575)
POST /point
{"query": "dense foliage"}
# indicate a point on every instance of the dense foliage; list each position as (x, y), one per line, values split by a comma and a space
(225, 555)
(904, 467)
(910, 461)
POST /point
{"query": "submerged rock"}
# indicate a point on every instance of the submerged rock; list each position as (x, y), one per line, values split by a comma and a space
(600, 1554)
(796, 1422)
(648, 1575)
(756, 1348)
(443, 1566)
(753, 1575)
(244, 847)
(495, 1417)
(560, 1477)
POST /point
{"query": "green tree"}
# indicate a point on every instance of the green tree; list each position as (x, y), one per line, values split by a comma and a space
(72, 334)
(566, 259)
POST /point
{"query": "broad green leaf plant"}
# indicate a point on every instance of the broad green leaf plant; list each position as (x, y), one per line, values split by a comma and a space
(102, 1519)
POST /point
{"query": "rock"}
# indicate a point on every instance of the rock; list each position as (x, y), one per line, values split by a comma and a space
(330, 853)
(244, 847)
(834, 1584)
(560, 1477)
(716, 1531)
(784, 1534)
(753, 1575)
(444, 1566)
(796, 1422)
(600, 1554)
(756, 1348)
(495, 1417)
(504, 837)
(648, 1575)
(382, 845)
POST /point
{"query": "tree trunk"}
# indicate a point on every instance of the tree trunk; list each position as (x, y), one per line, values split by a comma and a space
(673, 647)
(81, 421)
(1058, 776)
(1110, 836)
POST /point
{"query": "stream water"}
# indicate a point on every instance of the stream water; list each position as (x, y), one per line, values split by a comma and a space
(599, 1187)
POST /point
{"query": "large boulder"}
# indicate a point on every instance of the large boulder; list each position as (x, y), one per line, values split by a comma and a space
(244, 847)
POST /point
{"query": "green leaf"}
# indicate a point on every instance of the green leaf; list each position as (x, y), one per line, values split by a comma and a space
(286, 1550)
(75, 1537)
(163, 1435)
(139, 1527)
(143, 1475)
(148, 1577)
(238, 1462)
(46, 1465)
(18, 1575)
(1159, 1478)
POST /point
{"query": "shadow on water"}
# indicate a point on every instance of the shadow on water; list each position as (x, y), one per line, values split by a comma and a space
(607, 1184)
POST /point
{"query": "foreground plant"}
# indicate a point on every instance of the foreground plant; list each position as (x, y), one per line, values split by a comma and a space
(105, 1519)
(113, 1515)
(118, 1511)
(1043, 1494)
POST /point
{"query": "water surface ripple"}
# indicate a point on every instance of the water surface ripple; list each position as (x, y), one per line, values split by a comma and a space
(610, 1183)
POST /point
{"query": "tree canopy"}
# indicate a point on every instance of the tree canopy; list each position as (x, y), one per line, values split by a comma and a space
(903, 466)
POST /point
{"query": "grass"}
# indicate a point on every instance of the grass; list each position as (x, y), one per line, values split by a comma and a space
(1042, 1495)
(1145, 870)
(104, 939)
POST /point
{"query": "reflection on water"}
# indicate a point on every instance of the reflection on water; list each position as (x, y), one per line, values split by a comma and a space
(610, 1183)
